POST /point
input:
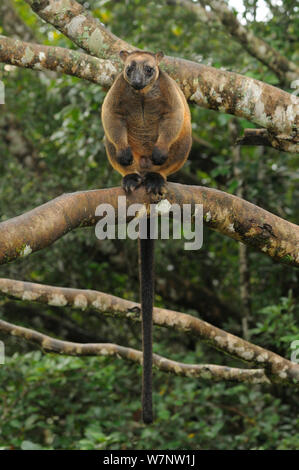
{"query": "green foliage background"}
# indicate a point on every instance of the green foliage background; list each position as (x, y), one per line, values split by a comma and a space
(50, 143)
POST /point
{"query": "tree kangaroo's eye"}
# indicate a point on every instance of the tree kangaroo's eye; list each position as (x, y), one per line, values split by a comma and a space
(148, 70)
(129, 70)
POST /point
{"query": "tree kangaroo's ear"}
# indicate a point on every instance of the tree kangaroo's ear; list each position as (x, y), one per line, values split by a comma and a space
(123, 55)
(159, 56)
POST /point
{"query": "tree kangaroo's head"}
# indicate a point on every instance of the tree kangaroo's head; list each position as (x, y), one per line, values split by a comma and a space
(141, 68)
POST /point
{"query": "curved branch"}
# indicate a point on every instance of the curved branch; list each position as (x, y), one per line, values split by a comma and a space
(208, 87)
(277, 368)
(225, 213)
(283, 68)
(75, 22)
(103, 72)
(58, 59)
(257, 137)
(203, 371)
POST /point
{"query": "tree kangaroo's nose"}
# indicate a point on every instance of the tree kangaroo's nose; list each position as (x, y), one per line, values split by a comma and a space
(138, 81)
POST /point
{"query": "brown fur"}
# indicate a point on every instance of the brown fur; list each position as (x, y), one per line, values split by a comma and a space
(146, 119)
(157, 115)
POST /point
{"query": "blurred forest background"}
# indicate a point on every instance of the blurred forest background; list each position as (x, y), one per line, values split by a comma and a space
(51, 143)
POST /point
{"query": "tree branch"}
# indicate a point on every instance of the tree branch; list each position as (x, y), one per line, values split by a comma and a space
(203, 371)
(225, 213)
(284, 69)
(276, 368)
(208, 87)
(58, 59)
(103, 72)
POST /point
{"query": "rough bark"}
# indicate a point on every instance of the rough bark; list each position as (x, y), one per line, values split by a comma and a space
(225, 213)
(276, 368)
(203, 371)
(75, 22)
(282, 108)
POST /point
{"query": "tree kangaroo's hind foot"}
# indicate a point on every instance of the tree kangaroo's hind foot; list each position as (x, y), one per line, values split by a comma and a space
(154, 183)
(131, 182)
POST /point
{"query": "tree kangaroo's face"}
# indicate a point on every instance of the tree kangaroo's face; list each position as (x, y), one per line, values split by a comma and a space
(141, 68)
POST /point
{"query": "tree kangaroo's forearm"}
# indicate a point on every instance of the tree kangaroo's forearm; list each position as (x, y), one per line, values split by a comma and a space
(169, 128)
(116, 131)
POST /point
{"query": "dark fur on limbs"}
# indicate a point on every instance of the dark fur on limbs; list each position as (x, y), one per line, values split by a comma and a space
(125, 157)
(146, 267)
(154, 183)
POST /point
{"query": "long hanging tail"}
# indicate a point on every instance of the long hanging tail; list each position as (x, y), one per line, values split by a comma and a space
(146, 270)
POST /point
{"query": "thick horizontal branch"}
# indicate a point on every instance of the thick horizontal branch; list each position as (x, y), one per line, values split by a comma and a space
(103, 72)
(203, 371)
(276, 368)
(208, 87)
(58, 59)
(225, 213)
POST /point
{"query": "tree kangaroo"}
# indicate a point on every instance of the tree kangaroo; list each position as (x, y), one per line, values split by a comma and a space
(147, 127)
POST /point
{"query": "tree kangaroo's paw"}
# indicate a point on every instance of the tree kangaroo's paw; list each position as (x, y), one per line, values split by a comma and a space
(158, 156)
(131, 182)
(154, 183)
(125, 157)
